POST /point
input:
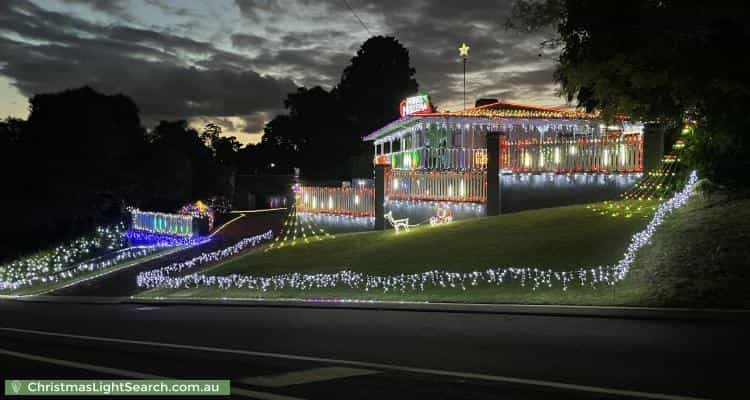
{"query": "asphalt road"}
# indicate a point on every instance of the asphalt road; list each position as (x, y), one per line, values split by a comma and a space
(375, 354)
(123, 283)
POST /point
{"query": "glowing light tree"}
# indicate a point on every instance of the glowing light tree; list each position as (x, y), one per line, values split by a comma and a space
(296, 228)
(642, 200)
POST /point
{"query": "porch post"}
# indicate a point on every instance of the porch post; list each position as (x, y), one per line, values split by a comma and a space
(493, 173)
(380, 171)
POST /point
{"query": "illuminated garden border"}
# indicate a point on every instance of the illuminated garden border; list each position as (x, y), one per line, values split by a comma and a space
(526, 276)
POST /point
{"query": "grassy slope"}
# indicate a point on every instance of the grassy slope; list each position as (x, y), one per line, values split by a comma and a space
(47, 287)
(699, 257)
(561, 238)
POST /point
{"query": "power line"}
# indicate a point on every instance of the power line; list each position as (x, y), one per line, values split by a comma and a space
(357, 17)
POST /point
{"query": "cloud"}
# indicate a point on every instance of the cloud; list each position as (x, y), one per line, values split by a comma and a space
(319, 46)
(168, 76)
(228, 60)
(246, 128)
(245, 41)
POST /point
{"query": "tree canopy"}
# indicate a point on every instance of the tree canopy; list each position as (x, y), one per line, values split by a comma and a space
(82, 155)
(322, 133)
(657, 61)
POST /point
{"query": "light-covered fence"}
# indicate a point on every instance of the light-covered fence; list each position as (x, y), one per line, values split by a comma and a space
(460, 159)
(559, 155)
(356, 201)
(466, 186)
(163, 223)
(621, 154)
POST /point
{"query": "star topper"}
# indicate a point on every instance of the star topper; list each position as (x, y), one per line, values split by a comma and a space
(463, 51)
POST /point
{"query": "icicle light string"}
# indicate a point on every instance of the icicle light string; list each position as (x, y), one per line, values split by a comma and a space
(534, 278)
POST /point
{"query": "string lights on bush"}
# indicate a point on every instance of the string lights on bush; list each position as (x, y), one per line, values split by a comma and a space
(106, 248)
(60, 258)
(532, 277)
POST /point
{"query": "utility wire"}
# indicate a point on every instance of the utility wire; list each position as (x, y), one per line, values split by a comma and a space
(357, 17)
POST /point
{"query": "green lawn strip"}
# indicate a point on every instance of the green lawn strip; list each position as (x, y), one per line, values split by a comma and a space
(562, 238)
(44, 288)
(699, 256)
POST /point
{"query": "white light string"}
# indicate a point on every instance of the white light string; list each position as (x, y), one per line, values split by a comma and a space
(161, 275)
(526, 276)
(55, 268)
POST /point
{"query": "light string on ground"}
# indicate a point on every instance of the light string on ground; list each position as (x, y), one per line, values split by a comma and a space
(527, 276)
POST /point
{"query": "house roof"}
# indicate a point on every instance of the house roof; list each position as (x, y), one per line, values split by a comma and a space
(500, 109)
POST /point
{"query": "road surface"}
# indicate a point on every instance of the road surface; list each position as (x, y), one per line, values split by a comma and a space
(302, 353)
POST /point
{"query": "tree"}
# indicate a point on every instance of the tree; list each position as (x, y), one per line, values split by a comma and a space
(225, 151)
(74, 161)
(323, 131)
(375, 82)
(211, 132)
(658, 61)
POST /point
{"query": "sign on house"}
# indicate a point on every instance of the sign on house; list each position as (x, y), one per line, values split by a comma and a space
(415, 104)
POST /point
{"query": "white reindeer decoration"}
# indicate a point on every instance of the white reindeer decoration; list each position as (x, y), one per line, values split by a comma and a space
(398, 224)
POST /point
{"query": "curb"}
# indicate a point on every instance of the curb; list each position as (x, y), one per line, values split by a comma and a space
(646, 313)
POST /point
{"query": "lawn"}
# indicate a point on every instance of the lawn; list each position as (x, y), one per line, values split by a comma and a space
(699, 257)
(561, 239)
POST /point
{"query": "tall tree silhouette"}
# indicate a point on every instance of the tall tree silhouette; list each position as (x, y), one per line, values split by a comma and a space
(323, 131)
(372, 86)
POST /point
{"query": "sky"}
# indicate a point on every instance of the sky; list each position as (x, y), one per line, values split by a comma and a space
(232, 62)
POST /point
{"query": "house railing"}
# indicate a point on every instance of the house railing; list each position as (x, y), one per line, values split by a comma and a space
(556, 155)
(455, 186)
(353, 201)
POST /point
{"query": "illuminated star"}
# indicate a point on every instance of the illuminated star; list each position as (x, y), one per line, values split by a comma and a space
(463, 51)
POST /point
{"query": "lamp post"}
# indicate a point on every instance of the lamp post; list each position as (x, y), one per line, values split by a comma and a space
(463, 51)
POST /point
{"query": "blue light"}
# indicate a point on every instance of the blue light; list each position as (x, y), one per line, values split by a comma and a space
(141, 238)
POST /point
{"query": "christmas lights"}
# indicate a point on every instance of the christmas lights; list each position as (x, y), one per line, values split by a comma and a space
(161, 275)
(442, 216)
(532, 277)
(295, 227)
(113, 245)
(140, 238)
(437, 186)
(163, 223)
(642, 199)
(199, 209)
(603, 155)
(357, 201)
(35, 267)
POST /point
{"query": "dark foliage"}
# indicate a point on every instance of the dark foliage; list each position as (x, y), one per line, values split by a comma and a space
(81, 156)
(322, 134)
(659, 61)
